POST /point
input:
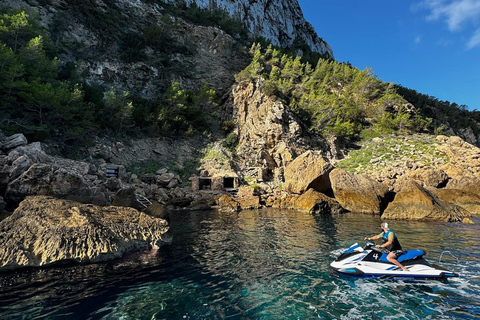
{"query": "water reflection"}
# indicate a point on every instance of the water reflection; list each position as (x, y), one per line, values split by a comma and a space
(267, 264)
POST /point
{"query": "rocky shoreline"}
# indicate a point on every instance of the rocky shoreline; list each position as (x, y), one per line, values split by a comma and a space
(75, 211)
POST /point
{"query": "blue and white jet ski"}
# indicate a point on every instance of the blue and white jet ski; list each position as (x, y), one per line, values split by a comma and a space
(371, 262)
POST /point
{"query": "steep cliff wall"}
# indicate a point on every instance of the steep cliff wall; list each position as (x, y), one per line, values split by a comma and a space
(280, 21)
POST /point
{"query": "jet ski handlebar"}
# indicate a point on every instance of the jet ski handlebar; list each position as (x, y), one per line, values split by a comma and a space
(369, 244)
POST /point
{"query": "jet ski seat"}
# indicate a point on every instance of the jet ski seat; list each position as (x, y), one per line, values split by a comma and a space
(407, 255)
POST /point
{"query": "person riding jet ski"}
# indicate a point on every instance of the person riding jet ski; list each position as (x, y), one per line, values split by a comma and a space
(390, 244)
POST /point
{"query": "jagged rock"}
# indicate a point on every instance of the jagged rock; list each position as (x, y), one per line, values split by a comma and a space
(50, 179)
(414, 202)
(283, 200)
(126, 198)
(113, 184)
(435, 178)
(309, 170)
(282, 22)
(470, 184)
(316, 202)
(14, 141)
(45, 230)
(467, 200)
(247, 198)
(180, 202)
(227, 204)
(358, 193)
(164, 179)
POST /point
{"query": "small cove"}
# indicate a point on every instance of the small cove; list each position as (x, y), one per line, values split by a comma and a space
(259, 264)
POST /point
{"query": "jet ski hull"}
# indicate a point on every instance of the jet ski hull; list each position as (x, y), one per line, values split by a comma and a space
(369, 263)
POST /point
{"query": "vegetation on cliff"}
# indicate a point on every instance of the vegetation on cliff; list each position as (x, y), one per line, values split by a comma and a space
(331, 97)
(44, 99)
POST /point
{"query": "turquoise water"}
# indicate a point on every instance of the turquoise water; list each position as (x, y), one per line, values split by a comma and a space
(267, 264)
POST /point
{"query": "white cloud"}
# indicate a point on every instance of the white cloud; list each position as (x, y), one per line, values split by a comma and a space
(417, 39)
(475, 40)
(456, 13)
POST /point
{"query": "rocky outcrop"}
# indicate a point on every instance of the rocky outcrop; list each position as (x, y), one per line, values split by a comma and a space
(44, 231)
(269, 135)
(465, 199)
(316, 202)
(358, 193)
(414, 202)
(247, 198)
(53, 180)
(309, 170)
(282, 22)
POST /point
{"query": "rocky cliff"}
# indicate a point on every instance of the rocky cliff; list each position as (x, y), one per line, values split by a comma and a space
(104, 40)
(282, 22)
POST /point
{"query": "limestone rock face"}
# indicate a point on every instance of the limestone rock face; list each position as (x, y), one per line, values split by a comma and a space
(14, 141)
(247, 198)
(316, 202)
(467, 200)
(45, 230)
(309, 170)
(282, 22)
(227, 204)
(270, 136)
(53, 180)
(470, 184)
(414, 202)
(358, 193)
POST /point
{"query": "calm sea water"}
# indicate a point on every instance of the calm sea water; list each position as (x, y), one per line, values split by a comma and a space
(267, 264)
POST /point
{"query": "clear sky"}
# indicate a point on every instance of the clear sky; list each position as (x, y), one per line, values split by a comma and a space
(431, 46)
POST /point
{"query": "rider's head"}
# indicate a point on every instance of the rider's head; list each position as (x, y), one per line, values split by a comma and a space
(384, 225)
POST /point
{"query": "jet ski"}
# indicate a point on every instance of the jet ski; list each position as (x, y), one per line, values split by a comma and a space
(371, 262)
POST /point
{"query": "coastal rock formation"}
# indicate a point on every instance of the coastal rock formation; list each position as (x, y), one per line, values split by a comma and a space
(53, 180)
(282, 22)
(358, 193)
(44, 231)
(269, 135)
(413, 202)
(316, 202)
(309, 170)
(467, 200)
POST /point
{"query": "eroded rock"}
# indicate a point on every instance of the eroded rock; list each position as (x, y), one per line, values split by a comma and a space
(413, 202)
(358, 193)
(44, 231)
(309, 170)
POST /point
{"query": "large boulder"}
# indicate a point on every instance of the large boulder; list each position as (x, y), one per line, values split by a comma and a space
(467, 200)
(358, 193)
(316, 202)
(52, 180)
(14, 141)
(44, 231)
(413, 202)
(467, 183)
(247, 199)
(309, 170)
(435, 178)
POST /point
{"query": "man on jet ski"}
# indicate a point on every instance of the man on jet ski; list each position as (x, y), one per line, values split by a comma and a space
(391, 245)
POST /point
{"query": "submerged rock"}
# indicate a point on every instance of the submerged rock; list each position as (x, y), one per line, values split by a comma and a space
(44, 231)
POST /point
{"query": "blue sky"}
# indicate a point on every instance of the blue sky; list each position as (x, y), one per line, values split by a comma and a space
(432, 46)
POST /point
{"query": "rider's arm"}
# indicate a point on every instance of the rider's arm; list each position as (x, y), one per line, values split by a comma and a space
(375, 237)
